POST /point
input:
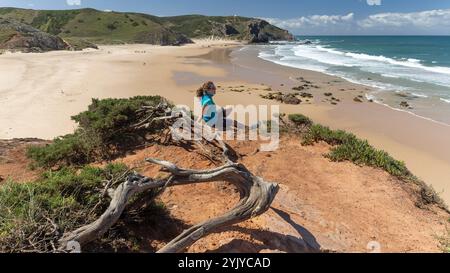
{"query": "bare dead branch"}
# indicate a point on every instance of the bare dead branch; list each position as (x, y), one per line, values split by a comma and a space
(256, 196)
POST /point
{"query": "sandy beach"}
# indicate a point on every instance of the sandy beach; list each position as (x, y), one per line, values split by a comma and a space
(39, 93)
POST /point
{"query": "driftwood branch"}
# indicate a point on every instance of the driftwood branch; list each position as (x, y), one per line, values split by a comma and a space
(133, 185)
(256, 196)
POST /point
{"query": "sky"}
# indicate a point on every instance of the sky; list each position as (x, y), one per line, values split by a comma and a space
(301, 17)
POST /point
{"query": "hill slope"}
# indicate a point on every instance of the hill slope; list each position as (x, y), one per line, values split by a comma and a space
(118, 27)
(321, 206)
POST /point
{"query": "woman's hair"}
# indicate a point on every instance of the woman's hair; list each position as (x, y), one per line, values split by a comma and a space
(205, 87)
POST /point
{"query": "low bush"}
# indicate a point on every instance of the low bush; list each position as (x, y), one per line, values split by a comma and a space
(73, 149)
(318, 133)
(349, 147)
(300, 120)
(105, 130)
(34, 215)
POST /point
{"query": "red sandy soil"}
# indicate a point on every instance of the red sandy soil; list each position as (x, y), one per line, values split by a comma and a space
(13, 162)
(321, 205)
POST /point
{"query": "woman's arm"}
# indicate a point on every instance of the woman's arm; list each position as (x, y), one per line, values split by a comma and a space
(200, 118)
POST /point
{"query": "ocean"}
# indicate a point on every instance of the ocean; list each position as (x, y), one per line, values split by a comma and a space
(415, 69)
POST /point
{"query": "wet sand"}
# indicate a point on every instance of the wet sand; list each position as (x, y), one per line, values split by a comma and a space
(39, 93)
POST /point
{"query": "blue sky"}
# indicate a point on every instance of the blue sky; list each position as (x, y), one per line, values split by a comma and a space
(307, 17)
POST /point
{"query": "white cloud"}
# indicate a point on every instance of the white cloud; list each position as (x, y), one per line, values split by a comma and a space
(430, 22)
(73, 2)
(429, 19)
(374, 2)
(312, 21)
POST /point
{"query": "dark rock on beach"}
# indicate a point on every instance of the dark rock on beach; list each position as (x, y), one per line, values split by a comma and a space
(290, 99)
(405, 104)
(298, 88)
(357, 99)
(306, 95)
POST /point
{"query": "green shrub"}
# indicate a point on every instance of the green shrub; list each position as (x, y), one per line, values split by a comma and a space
(321, 133)
(105, 130)
(110, 120)
(361, 152)
(112, 26)
(300, 120)
(349, 147)
(73, 149)
(34, 215)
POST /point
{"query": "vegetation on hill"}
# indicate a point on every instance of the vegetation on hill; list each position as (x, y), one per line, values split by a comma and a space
(34, 215)
(102, 27)
(236, 27)
(79, 44)
(347, 147)
(105, 130)
(300, 120)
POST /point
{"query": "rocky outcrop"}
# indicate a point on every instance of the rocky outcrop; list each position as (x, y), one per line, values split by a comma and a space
(16, 36)
(256, 32)
(261, 31)
(223, 29)
(252, 30)
(230, 30)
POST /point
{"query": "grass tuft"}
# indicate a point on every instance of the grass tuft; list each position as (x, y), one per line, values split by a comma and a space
(349, 147)
(300, 120)
(34, 215)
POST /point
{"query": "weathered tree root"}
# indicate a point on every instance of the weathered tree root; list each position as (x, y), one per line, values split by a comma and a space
(256, 196)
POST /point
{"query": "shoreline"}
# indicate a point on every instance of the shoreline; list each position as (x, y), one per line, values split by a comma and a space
(33, 107)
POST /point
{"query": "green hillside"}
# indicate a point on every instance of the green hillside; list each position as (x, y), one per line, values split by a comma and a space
(197, 26)
(117, 27)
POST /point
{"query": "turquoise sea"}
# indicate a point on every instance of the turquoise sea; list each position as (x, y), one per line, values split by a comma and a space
(399, 68)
